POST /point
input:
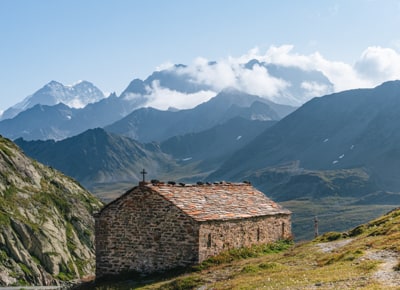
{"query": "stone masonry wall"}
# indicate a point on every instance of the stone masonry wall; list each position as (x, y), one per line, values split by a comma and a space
(145, 233)
(217, 236)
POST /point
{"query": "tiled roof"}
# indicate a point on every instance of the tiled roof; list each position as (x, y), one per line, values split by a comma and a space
(219, 201)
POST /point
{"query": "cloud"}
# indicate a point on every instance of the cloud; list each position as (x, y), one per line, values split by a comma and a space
(314, 89)
(342, 75)
(379, 64)
(257, 81)
(164, 98)
(374, 66)
(217, 75)
(165, 66)
(231, 72)
(76, 103)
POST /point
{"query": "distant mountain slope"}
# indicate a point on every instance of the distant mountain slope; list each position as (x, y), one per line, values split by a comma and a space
(351, 129)
(148, 124)
(39, 122)
(46, 223)
(75, 96)
(211, 147)
(58, 122)
(96, 156)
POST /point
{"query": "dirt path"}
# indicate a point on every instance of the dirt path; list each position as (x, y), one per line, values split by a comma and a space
(389, 260)
(331, 246)
(386, 273)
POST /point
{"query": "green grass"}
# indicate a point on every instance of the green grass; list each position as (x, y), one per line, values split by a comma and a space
(245, 253)
(185, 283)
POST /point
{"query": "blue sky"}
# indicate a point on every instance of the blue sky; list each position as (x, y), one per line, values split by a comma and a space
(111, 42)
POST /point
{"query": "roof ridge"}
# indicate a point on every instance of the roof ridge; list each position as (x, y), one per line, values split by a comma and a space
(198, 184)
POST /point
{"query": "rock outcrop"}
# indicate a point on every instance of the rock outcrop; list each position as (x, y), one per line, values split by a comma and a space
(46, 223)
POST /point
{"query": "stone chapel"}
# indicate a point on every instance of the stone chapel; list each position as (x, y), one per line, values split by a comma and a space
(154, 227)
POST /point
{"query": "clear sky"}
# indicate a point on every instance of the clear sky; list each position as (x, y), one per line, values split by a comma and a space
(111, 42)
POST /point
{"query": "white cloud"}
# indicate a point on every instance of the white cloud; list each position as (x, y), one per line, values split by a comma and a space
(314, 89)
(375, 65)
(163, 98)
(379, 64)
(165, 66)
(257, 81)
(219, 75)
(230, 72)
(343, 76)
(76, 103)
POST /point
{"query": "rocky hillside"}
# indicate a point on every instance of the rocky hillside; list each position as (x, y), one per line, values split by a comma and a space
(46, 223)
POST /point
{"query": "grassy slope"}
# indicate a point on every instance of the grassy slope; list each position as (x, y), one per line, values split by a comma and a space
(354, 261)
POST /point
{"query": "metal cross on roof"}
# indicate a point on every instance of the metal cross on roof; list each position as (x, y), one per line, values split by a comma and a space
(143, 172)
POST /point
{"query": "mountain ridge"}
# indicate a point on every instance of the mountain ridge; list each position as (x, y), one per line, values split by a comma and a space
(149, 124)
(96, 156)
(337, 131)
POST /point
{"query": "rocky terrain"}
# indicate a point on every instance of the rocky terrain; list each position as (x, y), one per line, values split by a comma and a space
(46, 223)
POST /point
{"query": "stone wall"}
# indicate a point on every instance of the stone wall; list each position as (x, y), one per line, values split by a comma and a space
(217, 236)
(143, 232)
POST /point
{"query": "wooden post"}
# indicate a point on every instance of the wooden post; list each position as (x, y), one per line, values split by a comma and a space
(316, 227)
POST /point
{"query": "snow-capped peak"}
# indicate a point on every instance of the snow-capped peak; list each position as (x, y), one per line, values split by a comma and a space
(77, 95)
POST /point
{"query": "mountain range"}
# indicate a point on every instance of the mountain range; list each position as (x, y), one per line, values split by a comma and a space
(341, 144)
(149, 124)
(96, 156)
(57, 122)
(78, 95)
(43, 122)
(47, 109)
(351, 129)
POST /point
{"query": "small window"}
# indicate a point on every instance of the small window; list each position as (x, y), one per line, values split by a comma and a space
(258, 234)
(283, 230)
(209, 241)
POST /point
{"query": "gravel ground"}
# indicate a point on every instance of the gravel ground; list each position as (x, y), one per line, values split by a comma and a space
(389, 259)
